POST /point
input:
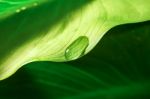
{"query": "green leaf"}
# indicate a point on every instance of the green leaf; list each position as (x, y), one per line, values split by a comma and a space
(117, 68)
(34, 30)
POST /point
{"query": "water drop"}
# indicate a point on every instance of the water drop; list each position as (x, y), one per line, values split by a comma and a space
(77, 48)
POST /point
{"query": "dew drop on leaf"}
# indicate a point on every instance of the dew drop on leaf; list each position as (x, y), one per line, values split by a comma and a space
(77, 48)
